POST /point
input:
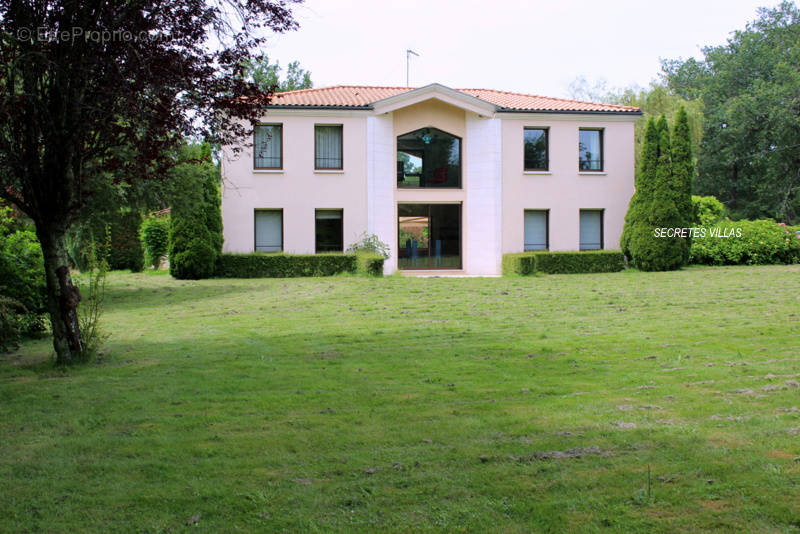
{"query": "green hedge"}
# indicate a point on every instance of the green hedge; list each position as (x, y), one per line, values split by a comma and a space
(263, 265)
(747, 243)
(370, 264)
(592, 261)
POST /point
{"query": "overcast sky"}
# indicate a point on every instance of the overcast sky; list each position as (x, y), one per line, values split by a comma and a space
(536, 47)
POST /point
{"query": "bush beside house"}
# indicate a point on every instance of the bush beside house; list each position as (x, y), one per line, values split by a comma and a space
(595, 261)
(262, 265)
(370, 264)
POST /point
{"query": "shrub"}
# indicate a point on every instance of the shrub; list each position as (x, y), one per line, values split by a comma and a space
(196, 261)
(707, 211)
(195, 237)
(519, 263)
(93, 290)
(154, 234)
(79, 238)
(263, 265)
(756, 242)
(117, 232)
(370, 264)
(126, 248)
(11, 312)
(593, 261)
(369, 244)
(22, 280)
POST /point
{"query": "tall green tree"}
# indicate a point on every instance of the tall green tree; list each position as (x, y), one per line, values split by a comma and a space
(196, 216)
(683, 172)
(750, 89)
(650, 251)
(643, 193)
(132, 78)
(268, 77)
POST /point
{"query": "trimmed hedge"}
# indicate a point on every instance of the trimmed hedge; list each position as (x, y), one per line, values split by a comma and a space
(264, 265)
(590, 261)
(370, 264)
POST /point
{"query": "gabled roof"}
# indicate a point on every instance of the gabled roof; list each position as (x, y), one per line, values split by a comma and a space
(369, 97)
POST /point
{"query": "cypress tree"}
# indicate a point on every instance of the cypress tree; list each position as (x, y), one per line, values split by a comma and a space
(648, 251)
(683, 171)
(195, 221)
(637, 208)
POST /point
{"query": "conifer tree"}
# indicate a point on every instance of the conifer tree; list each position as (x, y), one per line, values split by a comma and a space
(196, 220)
(648, 251)
(683, 171)
(637, 208)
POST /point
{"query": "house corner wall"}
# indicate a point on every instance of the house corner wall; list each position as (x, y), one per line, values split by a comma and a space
(381, 211)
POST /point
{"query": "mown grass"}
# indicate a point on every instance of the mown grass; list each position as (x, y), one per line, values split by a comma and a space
(405, 404)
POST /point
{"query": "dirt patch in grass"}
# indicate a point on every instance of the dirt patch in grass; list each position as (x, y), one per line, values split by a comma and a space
(578, 452)
(715, 504)
(780, 454)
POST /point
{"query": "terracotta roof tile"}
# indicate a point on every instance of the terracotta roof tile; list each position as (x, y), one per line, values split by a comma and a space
(362, 96)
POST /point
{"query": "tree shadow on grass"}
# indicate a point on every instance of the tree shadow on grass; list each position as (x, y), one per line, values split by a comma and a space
(131, 298)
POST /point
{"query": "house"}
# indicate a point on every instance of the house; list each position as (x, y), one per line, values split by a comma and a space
(449, 179)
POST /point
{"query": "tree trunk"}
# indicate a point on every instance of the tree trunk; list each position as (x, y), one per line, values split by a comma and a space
(62, 295)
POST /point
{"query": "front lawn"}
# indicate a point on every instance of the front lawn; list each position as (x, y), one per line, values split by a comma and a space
(545, 404)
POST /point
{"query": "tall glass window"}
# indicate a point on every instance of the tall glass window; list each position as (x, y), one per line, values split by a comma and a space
(429, 236)
(268, 146)
(328, 226)
(536, 156)
(428, 158)
(590, 150)
(328, 146)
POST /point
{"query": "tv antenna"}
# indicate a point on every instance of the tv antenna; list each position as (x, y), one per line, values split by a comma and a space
(409, 52)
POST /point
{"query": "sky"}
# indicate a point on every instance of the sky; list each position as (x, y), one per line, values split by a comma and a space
(536, 47)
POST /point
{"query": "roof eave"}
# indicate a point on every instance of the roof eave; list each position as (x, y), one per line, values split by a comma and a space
(371, 107)
(308, 106)
(572, 111)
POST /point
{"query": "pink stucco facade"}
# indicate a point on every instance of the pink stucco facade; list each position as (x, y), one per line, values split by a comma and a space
(495, 189)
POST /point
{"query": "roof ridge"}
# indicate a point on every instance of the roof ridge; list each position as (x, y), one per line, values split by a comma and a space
(328, 87)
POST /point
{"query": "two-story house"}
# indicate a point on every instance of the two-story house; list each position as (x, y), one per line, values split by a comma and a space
(449, 179)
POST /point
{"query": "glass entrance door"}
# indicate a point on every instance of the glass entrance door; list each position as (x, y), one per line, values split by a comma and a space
(429, 236)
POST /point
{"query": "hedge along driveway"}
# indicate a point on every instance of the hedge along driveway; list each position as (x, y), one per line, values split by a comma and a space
(352, 404)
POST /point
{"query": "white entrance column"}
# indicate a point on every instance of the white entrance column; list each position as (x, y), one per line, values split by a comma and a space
(381, 177)
(482, 239)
